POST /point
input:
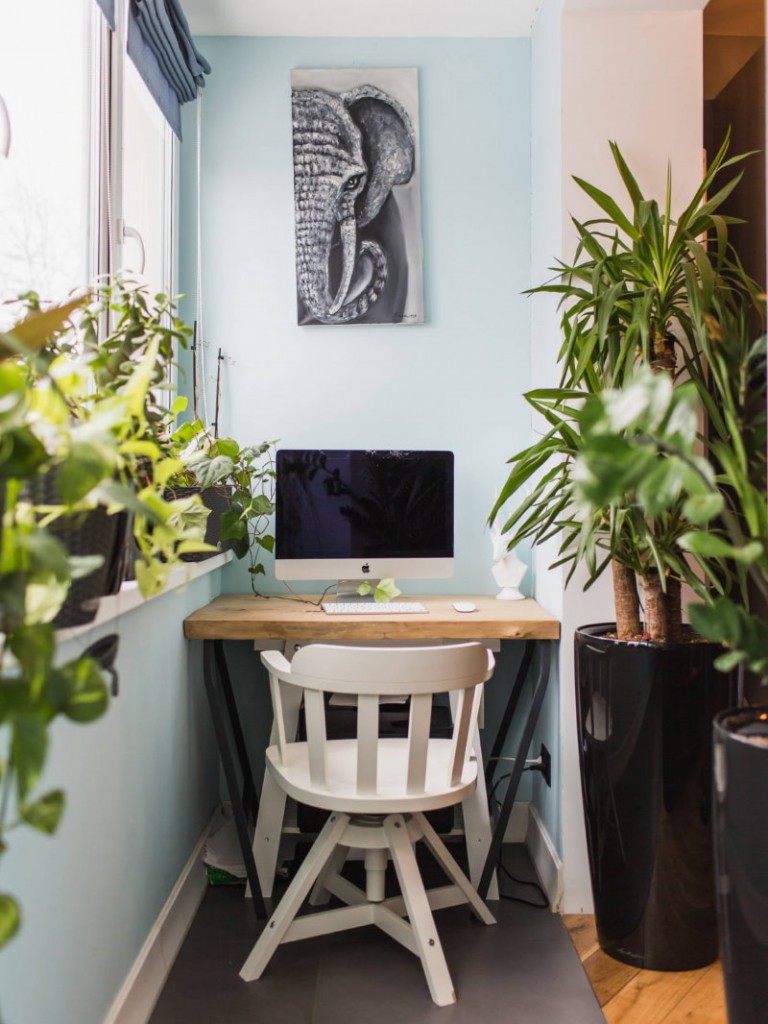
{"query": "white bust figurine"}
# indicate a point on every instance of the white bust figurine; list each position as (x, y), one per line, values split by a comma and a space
(508, 569)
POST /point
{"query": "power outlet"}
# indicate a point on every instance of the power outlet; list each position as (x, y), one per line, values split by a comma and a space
(546, 764)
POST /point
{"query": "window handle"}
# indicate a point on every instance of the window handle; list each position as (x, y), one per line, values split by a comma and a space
(124, 232)
(5, 129)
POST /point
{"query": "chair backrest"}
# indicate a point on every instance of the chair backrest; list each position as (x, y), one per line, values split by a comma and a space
(372, 673)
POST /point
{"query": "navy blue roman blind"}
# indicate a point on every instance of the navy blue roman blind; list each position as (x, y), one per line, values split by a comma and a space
(160, 45)
(108, 7)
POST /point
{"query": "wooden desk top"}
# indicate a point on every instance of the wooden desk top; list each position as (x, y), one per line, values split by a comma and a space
(245, 617)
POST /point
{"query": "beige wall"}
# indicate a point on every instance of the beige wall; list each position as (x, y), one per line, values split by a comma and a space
(634, 76)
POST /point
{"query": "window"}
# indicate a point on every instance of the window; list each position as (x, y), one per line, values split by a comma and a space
(144, 228)
(89, 150)
(47, 53)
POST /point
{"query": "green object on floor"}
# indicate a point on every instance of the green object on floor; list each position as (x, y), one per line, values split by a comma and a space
(217, 876)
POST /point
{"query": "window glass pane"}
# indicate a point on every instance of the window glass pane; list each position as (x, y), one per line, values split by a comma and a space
(146, 206)
(46, 80)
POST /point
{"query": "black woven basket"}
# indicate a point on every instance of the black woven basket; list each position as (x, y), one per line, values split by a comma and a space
(217, 500)
(94, 532)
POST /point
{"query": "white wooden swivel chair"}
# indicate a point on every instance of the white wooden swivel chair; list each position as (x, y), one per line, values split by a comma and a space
(377, 791)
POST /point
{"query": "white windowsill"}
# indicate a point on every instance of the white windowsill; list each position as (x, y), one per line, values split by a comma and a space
(114, 605)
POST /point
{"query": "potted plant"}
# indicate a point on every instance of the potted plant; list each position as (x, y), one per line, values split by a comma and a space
(116, 330)
(728, 507)
(236, 482)
(636, 293)
(50, 423)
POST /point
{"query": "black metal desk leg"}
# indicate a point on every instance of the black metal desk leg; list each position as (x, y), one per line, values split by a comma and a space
(219, 710)
(540, 688)
(506, 720)
(250, 799)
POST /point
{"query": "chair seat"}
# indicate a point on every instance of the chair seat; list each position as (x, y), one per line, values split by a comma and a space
(340, 792)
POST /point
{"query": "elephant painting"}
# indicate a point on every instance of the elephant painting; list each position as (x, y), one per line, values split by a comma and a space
(358, 232)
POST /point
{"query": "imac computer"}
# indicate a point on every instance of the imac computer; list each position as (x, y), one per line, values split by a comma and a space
(363, 515)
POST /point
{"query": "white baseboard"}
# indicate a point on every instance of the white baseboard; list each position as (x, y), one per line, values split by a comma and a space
(517, 826)
(141, 989)
(544, 858)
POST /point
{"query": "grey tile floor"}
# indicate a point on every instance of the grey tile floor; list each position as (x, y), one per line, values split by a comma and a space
(523, 970)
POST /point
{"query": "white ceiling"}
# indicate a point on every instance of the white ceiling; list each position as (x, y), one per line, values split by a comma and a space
(368, 18)
(361, 17)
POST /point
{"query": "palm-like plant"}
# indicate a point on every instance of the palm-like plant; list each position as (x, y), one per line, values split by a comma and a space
(636, 293)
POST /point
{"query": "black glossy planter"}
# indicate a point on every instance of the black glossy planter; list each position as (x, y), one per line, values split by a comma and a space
(741, 851)
(645, 722)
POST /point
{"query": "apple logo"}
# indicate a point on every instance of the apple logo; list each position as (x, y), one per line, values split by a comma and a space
(366, 568)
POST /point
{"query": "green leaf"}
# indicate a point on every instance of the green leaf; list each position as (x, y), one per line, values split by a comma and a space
(29, 746)
(261, 505)
(659, 488)
(700, 509)
(728, 661)
(10, 918)
(22, 454)
(227, 447)
(84, 467)
(45, 553)
(83, 695)
(212, 471)
(610, 206)
(386, 589)
(83, 565)
(36, 329)
(33, 647)
(45, 813)
(710, 545)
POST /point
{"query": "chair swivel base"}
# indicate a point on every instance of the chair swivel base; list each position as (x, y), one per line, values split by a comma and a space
(320, 872)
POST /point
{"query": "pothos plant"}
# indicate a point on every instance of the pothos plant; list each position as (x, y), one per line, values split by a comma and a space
(638, 285)
(248, 474)
(651, 427)
(97, 444)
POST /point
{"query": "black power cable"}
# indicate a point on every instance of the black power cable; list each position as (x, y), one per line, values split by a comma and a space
(544, 905)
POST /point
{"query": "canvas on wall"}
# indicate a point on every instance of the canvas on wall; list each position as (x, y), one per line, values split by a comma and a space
(357, 196)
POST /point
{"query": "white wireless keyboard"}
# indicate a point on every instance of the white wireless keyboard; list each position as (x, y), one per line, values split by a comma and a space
(372, 607)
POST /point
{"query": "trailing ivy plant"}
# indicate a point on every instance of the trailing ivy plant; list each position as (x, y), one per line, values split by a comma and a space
(247, 473)
(636, 293)
(98, 445)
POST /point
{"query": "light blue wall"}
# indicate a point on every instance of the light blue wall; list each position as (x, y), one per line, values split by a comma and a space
(141, 785)
(455, 382)
(546, 242)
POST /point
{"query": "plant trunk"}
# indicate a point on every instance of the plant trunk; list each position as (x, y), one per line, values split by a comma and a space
(626, 601)
(674, 610)
(663, 611)
(663, 351)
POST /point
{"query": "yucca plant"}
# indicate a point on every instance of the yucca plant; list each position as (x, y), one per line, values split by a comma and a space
(635, 294)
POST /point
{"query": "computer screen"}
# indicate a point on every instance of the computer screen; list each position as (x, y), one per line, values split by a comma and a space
(348, 514)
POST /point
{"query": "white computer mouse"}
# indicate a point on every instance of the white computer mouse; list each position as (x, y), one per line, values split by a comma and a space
(464, 606)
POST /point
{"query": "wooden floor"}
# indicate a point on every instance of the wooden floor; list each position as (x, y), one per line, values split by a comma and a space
(628, 995)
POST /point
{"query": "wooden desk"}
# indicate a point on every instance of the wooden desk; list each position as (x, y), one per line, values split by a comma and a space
(245, 617)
